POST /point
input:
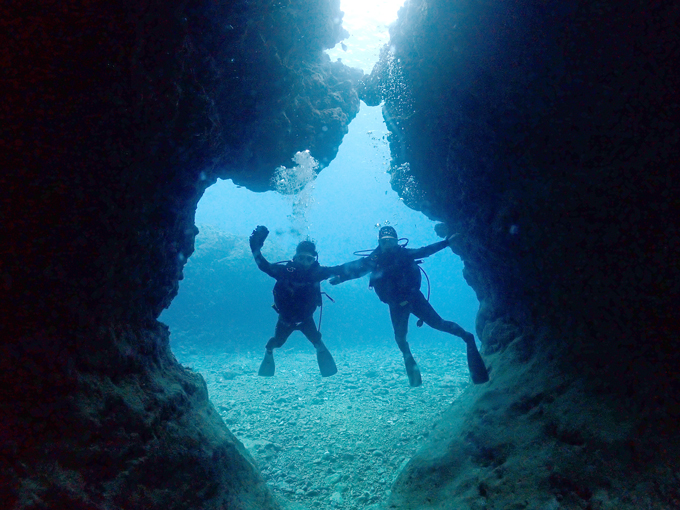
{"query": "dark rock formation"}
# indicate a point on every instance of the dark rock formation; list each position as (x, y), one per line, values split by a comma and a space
(546, 136)
(148, 105)
(116, 422)
(115, 118)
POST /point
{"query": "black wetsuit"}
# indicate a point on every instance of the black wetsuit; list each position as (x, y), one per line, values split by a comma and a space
(297, 294)
(395, 276)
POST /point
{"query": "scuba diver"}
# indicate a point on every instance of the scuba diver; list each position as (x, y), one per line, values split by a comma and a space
(395, 277)
(297, 294)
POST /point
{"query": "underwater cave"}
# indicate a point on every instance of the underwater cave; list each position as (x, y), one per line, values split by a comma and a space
(544, 135)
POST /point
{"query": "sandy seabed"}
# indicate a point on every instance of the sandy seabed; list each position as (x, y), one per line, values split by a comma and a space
(336, 442)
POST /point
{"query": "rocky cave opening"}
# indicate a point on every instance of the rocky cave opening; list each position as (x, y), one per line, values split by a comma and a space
(544, 134)
(311, 437)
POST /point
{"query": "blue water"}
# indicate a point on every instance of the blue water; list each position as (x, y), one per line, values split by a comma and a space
(341, 211)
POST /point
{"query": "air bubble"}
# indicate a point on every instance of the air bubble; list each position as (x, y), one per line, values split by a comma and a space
(295, 182)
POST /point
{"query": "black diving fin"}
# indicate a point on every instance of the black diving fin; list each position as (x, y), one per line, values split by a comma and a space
(267, 367)
(412, 371)
(325, 359)
(476, 365)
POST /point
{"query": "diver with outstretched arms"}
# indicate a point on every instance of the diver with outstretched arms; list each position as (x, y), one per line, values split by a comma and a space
(395, 277)
(297, 294)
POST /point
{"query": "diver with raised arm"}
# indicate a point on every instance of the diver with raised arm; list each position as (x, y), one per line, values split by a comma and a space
(297, 294)
(395, 277)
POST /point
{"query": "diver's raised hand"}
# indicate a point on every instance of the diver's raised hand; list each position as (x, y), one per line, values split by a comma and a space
(257, 237)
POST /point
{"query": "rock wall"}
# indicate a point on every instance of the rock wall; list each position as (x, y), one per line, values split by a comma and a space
(543, 134)
(115, 118)
(116, 422)
(135, 114)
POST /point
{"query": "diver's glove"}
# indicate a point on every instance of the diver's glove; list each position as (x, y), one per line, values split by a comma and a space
(257, 237)
(337, 279)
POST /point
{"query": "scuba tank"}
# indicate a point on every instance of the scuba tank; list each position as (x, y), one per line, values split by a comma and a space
(385, 291)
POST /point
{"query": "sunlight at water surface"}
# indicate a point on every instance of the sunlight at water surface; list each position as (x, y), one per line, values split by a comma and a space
(367, 23)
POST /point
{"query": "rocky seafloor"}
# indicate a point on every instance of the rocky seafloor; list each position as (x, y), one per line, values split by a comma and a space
(337, 442)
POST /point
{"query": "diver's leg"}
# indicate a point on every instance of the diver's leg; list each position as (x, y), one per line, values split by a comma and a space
(399, 313)
(281, 333)
(308, 328)
(422, 309)
(326, 362)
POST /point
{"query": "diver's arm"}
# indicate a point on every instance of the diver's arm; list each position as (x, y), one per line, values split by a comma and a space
(256, 241)
(426, 251)
(263, 264)
(350, 270)
(325, 272)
